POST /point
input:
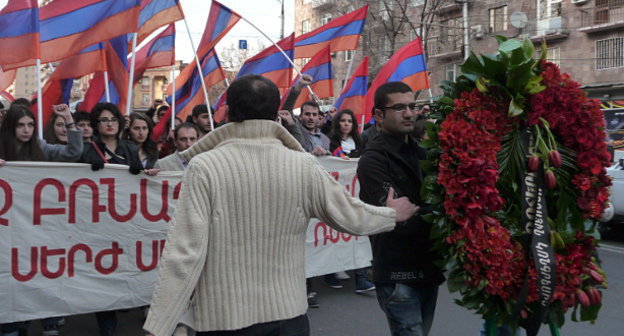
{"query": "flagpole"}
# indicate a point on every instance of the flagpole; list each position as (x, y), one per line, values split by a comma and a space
(39, 100)
(312, 94)
(131, 76)
(173, 97)
(349, 69)
(201, 75)
(106, 88)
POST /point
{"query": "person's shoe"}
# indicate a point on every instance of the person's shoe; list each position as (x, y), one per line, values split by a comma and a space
(50, 331)
(342, 275)
(312, 301)
(363, 286)
(332, 281)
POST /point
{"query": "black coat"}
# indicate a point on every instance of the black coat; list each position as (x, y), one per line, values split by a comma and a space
(402, 255)
(125, 149)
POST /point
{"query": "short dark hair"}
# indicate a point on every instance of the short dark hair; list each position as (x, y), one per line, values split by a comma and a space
(382, 92)
(311, 103)
(252, 97)
(97, 111)
(82, 116)
(199, 109)
(185, 125)
(22, 101)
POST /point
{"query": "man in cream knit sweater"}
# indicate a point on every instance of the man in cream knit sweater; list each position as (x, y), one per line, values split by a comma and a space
(235, 253)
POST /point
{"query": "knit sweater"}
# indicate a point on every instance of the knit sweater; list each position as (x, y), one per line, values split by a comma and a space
(235, 252)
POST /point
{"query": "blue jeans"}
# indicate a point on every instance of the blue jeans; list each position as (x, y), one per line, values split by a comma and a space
(409, 310)
(503, 330)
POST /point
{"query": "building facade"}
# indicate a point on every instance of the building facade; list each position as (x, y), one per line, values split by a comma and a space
(584, 37)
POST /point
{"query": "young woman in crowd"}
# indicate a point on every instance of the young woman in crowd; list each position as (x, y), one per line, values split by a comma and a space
(140, 133)
(344, 137)
(19, 142)
(55, 132)
(108, 123)
(83, 121)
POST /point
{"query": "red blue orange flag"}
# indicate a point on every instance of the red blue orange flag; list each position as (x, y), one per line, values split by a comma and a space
(269, 63)
(160, 51)
(116, 51)
(220, 20)
(272, 64)
(55, 91)
(19, 34)
(68, 26)
(87, 61)
(155, 14)
(353, 95)
(191, 93)
(320, 69)
(407, 65)
(342, 33)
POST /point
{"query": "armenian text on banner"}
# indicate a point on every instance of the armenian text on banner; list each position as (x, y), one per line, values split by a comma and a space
(74, 241)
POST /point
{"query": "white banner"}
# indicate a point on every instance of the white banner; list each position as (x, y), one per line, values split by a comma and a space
(74, 241)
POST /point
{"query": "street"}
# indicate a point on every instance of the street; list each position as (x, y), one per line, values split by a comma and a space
(344, 313)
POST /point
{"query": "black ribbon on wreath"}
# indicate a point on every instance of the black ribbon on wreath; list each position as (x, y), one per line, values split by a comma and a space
(534, 219)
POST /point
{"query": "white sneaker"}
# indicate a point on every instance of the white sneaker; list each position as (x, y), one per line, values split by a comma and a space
(342, 275)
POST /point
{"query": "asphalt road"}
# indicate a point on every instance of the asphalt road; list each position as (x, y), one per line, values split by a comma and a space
(344, 313)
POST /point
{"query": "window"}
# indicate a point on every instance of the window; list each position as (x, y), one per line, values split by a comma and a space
(417, 2)
(325, 19)
(348, 55)
(610, 53)
(498, 19)
(304, 61)
(446, 37)
(145, 82)
(305, 26)
(412, 35)
(452, 71)
(145, 101)
(547, 9)
(610, 3)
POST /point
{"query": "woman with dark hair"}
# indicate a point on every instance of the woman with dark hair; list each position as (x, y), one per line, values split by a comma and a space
(140, 133)
(19, 142)
(108, 123)
(55, 132)
(344, 137)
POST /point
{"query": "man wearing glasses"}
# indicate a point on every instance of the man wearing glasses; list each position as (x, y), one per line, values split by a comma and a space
(403, 267)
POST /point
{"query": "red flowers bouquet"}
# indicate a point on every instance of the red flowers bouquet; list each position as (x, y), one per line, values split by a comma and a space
(516, 176)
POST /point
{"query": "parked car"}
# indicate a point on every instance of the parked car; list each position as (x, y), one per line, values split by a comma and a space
(614, 215)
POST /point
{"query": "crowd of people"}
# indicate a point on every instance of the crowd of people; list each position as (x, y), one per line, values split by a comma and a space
(402, 269)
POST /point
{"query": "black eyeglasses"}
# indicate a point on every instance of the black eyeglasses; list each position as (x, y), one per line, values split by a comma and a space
(400, 108)
(106, 120)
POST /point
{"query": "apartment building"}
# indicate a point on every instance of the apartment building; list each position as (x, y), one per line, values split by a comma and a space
(584, 37)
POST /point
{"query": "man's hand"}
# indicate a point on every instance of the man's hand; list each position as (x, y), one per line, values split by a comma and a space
(2, 162)
(404, 208)
(319, 151)
(286, 116)
(303, 81)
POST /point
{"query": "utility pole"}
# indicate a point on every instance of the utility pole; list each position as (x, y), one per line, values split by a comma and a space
(466, 29)
(282, 17)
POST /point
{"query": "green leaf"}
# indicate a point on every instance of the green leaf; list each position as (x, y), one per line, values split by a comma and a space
(473, 66)
(500, 39)
(544, 52)
(509, 46)
(482, 84)
(590, 313)
(534, 85)
(446, 101)
(528, 48)
(516, 107)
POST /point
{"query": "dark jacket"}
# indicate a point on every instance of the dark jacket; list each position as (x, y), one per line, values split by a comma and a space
(335, 142)
(401, 255)
(368, 135)
(125, 149)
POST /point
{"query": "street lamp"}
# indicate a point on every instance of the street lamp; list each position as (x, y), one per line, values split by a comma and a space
(282, 17)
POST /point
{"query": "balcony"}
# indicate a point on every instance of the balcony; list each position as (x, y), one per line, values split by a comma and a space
(444, 48)
(601, 19)
(549, 29)
(322, 4)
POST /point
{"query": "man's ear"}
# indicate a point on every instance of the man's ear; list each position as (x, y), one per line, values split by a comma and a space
(378, 115)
